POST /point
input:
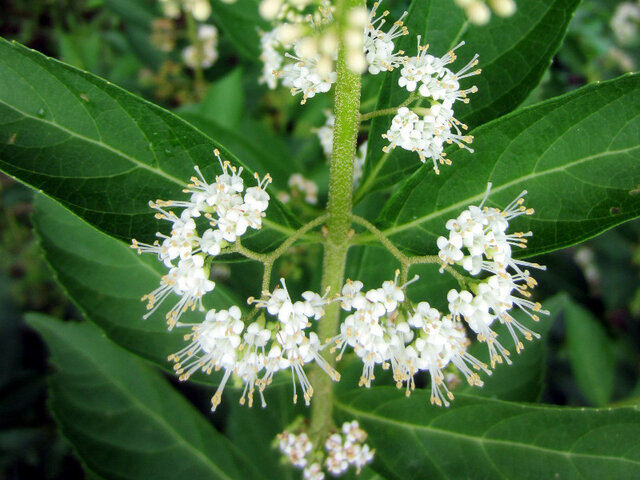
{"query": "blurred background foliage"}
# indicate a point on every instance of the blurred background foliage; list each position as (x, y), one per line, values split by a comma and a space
(594, 354)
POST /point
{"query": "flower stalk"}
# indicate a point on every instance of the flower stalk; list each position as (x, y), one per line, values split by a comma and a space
(347, 123)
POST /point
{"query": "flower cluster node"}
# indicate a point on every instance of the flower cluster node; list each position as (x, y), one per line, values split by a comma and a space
(311, 41)
(436, 126)
(229, 209)
(478, 242)
(342, 449)
(386, 329)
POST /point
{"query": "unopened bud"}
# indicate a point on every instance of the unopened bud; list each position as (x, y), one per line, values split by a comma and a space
(201, 9)
(325, 66)
(356, 61)
(504, 8)
(288, 33)
(307, 48)
(269, 9)
(478, 13)
(358, 18)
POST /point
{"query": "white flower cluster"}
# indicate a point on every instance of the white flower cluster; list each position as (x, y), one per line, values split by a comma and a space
(313, 69)
(381, 333)
(478, 242)
(206, 52)
(385, 329)
(432, 79)
(255, 352)
(625, 22)
(342, 450)
(379, 46)
(294, 346)
(325, 133)
(305, 186)
(229, 210)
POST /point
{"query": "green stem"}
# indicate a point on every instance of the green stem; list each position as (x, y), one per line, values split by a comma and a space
(388, 111)
(347, 122)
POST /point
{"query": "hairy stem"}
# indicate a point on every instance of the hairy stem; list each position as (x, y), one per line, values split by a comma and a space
(388, 111)
(347, 122)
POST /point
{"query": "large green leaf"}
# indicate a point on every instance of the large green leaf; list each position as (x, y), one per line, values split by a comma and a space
(101, 151)
(106, 279)
(514, 54)
(488, 439)
(240, 22)
(577, 155)
(590, 354)
(124, 420)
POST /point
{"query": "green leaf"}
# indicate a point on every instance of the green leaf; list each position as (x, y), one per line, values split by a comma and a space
(106, 279)
(264, 152)
(255, 429)
(133, 11)
(488, 439)
(590, 354)
(101, 151)
(514, 54)
(224, 101)
(577, 155)
(241, 22)
(137, 18)
(124, 420)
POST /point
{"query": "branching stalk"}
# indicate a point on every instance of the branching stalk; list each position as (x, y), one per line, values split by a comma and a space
(347, 122)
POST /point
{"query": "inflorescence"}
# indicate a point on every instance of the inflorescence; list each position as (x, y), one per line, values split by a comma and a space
(300, 52)
(382, 326)
(342, 449)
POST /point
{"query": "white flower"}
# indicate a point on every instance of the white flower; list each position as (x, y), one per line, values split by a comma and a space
(200, 9)
(306, 75)
(296, 447)
(443, 341)
(325, 134)
(306, 186)
(358, 163)
(313, 472)
(481, 232)
(229, 214)
(296, 348)
(378, 45)
(625, 21)
(271, 58)
(206, 52)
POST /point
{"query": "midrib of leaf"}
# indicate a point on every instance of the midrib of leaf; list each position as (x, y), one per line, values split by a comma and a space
(475, 198)
(105, 146)
(180, 440)
(529, 176)
(482, 441)
(136, 163)
(371, 179)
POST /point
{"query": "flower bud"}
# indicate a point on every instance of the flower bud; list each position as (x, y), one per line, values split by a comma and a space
(504, 8)
(478, 13)
(201, 9)
(269, 9)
